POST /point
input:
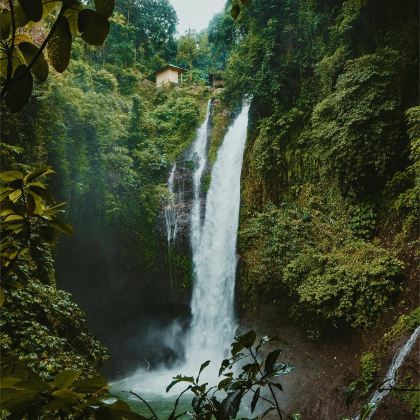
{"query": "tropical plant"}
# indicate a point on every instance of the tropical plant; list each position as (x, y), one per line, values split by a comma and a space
(27, 209)
(223, 401)
(26, 395)
(21, 57)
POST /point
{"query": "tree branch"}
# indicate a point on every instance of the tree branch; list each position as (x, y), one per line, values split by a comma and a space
(12, 46)
(269, 386)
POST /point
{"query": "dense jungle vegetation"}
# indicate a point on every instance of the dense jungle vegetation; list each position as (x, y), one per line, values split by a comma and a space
(328, 237)
(329, 213)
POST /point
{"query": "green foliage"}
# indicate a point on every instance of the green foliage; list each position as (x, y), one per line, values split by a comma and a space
(222, 35)
(368, 370)
(21, 58)
(46, 330)
(220, 120)
(188, 49)
(403, 190)
(326, 185)
(405, 324)
(363, 106)
(363, 221)
(412, 319)
(205, 183)
(307, 254)
(28, 209)
(194, 52)
(27, 395)
(153, 23)
(329, 284)
(176, 120)
(411, 398)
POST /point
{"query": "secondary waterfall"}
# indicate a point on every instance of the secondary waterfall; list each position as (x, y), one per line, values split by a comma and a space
(199, 156)
(390, 379)
(214, 252)
(171, 210)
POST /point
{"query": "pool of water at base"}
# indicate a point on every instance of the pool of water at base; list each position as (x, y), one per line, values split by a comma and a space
(162, 406)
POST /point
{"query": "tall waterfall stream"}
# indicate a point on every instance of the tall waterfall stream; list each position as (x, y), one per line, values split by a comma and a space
(213, 243)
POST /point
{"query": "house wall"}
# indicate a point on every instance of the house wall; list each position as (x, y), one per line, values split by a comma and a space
(167, 76)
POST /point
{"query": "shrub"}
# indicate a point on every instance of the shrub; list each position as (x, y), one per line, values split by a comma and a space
(306, 254)
(358, 125)
(368, 370)
(48, 331)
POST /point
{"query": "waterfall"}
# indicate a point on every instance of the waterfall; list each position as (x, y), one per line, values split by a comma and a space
(213, 243)
(214, 252)
(390, 377)
(170, 210)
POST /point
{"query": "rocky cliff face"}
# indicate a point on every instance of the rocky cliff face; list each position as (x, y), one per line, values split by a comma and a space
(176, 212)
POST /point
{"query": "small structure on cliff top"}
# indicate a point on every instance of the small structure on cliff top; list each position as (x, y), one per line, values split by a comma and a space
(168, 74)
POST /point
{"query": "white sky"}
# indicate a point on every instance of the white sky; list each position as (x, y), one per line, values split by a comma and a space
(196, 14)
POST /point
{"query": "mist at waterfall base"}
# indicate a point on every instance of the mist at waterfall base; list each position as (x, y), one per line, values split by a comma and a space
(213, 242)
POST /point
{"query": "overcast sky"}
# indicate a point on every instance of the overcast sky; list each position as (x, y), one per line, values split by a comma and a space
(196, 14)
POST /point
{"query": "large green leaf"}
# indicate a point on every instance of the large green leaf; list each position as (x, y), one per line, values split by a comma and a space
(271, 360)
(32, 9)
(5, 24)
(15, 400)
(36, 184)
(40, 67)
(39, 205)
(179, 379)
(67, 394)
(59, 47)
(52, 210)
(11, 176)
(230, 405)
(66, 378)
(248, 339)
(72, 16)
(14, 196)
(105, 7)
(202, 367)
(19, 90)
(91, 384)
(20, 17)
(43, 170)
(93, 27)
(236, 348)
(62, 227)
(255, 399)
(13, 217)
(16, 59)
(235, 10)
(9, 382)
